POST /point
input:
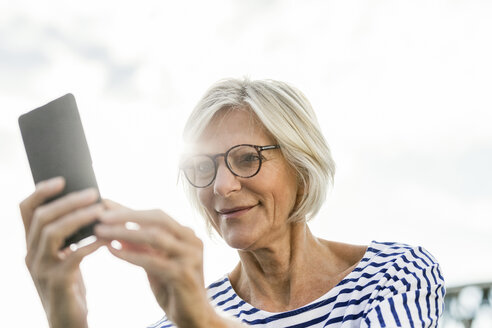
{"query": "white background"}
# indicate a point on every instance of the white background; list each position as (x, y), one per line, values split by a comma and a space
(402, 90)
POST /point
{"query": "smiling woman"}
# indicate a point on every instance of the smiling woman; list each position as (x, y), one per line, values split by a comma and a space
(258, 169)
(246, 211)
(286, 276)
(279, 111)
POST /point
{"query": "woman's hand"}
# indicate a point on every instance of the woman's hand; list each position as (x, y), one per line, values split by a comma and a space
(56, 272)
(171, 255)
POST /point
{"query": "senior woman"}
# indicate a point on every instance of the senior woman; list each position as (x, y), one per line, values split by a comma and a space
(257, 169)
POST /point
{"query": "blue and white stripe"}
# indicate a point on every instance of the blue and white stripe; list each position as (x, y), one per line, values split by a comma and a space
(394, 285)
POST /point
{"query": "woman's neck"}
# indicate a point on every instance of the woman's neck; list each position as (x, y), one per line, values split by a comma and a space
(289, 273)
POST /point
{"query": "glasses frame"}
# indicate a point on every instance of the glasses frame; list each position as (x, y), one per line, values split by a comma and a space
(259, 149)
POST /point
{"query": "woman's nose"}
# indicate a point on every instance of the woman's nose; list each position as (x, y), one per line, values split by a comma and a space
(225, 182)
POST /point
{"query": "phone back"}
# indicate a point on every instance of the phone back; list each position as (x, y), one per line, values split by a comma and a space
(56, 145)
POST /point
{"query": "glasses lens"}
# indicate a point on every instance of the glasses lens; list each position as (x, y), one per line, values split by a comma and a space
(244, 161)
(200, 170)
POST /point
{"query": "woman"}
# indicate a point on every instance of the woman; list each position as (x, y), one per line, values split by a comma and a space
(257, 169)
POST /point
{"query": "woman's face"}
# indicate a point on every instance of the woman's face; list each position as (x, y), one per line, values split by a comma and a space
(249, 213)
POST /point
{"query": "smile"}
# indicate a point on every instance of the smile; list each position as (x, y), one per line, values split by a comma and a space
(234, 212)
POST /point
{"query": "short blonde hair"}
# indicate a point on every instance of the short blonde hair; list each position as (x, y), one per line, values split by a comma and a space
(288, 116)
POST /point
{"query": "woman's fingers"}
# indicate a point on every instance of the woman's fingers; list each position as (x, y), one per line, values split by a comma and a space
(122, 215)
(71, 206)
(111, 204)
(170, 253)
(46, 245)
(44, 190)
(73, 259)
(52, 237)
(151, 232)
(150, 263)
(158, 239)
(56, 273)
(60, 271)
(157, 243)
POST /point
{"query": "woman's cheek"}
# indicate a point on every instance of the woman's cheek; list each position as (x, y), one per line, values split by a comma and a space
(206, 201)
(205, 197)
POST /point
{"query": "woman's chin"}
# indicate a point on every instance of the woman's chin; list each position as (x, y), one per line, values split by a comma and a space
(239, 241)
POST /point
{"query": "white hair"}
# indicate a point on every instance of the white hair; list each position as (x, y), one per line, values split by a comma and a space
(288, 116)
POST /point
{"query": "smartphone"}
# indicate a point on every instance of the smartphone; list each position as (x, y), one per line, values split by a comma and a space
(55, 144)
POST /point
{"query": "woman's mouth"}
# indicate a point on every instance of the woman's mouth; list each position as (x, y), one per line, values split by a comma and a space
(229, 213)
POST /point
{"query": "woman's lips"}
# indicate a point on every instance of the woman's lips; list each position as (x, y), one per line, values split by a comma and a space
(234, 212)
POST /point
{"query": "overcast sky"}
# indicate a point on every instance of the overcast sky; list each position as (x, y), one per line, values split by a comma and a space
(401, 90)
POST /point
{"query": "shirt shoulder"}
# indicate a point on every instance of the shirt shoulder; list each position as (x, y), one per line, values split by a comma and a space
(409, 286)
(400, 262)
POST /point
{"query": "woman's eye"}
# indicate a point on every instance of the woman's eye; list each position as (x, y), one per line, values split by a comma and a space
(247, 158)
(205, 167)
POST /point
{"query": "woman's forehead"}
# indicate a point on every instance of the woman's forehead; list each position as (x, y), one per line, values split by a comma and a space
(230, 128)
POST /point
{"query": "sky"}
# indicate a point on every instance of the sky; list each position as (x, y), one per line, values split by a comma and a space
(401, 90)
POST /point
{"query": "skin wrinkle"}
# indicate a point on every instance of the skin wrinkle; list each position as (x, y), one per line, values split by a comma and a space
(279, 276)
(220, 118)
(283, 266)
(252, 130)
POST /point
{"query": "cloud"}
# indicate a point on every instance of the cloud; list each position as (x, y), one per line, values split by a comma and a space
(31, 51)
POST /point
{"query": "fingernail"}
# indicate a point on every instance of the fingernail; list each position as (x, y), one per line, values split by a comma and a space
(116, 245)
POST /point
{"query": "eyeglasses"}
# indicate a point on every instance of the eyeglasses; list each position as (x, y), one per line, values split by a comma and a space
(243, 161)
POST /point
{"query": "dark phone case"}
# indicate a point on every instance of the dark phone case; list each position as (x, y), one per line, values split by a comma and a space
(56, 146)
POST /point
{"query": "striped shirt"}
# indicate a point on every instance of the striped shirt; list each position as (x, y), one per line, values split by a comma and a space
(394, 285)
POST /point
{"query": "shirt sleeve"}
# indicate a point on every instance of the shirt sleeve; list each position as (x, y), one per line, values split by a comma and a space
(163, 323)
(411, 294)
